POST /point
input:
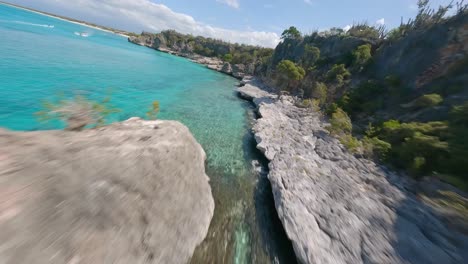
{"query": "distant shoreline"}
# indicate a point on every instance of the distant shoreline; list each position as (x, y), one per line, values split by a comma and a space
(71, 20)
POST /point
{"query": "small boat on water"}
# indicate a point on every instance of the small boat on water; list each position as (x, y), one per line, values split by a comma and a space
(82, 34)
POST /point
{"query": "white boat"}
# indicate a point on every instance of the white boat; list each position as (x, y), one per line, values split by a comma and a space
(82, 34)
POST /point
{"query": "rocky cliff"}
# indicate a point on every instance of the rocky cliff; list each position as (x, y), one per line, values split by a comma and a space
(232, 59)
(337, 208)
(130, 192)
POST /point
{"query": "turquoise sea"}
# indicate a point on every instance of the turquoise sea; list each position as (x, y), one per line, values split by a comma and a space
(41, 57)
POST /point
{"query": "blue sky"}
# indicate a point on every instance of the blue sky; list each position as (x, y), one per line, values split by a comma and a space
(258, 22)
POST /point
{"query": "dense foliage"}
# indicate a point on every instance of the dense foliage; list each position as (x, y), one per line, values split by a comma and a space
(355, 77)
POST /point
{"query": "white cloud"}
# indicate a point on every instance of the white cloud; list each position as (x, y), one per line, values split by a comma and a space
(309, 2)
(231, 3)
(347, 27)
(380, 21)
(137, 15)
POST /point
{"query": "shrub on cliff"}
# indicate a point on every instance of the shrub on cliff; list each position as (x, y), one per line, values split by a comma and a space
(319, 92)
(77, 112)
(425, 101)
(362, 55)
(366, 97)
(376, 148)
(340, 123)
(418, 147)
(351, 143)
(338, 73)
(289, 72)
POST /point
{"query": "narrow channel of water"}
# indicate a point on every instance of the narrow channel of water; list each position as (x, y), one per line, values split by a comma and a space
(246, 227)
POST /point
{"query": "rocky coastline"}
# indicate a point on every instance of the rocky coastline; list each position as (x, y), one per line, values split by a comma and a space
(238, 71)
(335, 207)
(130, 192)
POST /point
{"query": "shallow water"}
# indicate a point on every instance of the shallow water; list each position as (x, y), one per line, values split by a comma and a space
(41, 57)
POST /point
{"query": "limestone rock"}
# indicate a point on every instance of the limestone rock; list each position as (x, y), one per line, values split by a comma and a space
(227, 68)
(238, 71)
(337, 208)
(131, 192)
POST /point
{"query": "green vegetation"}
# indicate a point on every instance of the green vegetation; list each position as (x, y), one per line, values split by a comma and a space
(319, 92)
(340, 123)
(227, 57)
(367, 75)
(291, 33)
(427, 100)
(77, 113)
(362, 55)
(289, 72)
(311, 55)
(358, 76)
(209, 47)
(376, 148)
(338, 73)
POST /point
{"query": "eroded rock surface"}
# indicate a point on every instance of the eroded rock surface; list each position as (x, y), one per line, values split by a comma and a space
(131, 192)
(335, 207)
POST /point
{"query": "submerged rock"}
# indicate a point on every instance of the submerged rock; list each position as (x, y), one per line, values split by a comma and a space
(337, 208)
(131, 192)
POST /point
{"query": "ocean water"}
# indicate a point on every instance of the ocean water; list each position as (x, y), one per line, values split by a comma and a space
(41, 57)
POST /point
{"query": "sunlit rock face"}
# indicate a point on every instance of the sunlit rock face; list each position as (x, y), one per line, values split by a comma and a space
(131, 192)
(335, 207)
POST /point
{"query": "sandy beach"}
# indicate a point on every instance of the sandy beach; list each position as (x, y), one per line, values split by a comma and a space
(117, 32)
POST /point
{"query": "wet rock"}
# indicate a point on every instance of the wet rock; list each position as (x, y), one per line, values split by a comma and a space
(131, 192)
(337, 208)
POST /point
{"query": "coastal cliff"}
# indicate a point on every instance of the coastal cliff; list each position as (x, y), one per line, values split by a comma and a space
(130, 192)
(337, 208)
(232, 59)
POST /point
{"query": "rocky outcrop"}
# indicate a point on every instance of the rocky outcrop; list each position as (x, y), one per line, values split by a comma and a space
(455, 51)
(158, 42)
(130, 192)
(337, 208)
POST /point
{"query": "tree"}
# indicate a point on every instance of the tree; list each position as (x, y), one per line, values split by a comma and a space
(290, 71)
(291, 33)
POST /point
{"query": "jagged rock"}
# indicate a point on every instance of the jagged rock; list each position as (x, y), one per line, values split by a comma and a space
(130, 192)
(337, 208)
(227, 68)
(145, 39)
(238, 71)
